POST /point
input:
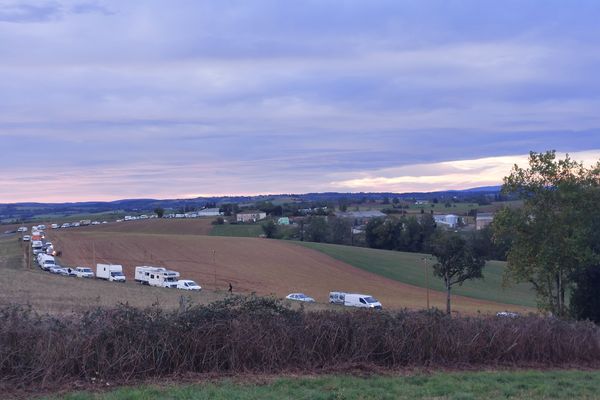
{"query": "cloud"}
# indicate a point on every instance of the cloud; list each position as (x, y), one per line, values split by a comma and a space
(33, 12)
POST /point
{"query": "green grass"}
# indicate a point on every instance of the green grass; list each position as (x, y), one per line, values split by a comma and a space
(455, 386)
(238, 230)
(410, 268)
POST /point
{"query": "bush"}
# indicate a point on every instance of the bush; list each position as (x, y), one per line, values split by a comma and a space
(260, 335)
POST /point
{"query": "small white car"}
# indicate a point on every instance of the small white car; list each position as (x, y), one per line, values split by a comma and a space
(65, 225)
(95, 222)
(300, 297)
(188, 285)
(83, 272)
(26, 238)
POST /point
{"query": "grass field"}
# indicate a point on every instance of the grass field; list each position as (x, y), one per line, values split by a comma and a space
(475, 385)
(238, 230)
(410, 268)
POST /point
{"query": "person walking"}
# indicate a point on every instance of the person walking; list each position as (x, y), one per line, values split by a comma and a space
(230, 288)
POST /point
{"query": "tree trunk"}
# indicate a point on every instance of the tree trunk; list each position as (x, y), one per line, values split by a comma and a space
(448, 310)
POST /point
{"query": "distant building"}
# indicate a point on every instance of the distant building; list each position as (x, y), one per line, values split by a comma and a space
(250, 217)
(283, 221)
(449, 220)
(483, 220)
(209, 212)
(360, 214)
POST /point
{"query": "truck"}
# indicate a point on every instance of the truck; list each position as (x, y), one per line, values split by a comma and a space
(156, 276)
(110, 272)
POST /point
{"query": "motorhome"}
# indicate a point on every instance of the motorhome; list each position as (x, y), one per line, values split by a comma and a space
(110, 272)
(156, 276)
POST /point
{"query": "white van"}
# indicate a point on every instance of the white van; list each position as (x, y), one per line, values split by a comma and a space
(83, 272)
(45, 261)
(110, 272)
(361, 300)
(186, 284)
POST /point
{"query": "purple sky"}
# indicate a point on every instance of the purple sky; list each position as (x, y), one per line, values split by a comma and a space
(103, 100)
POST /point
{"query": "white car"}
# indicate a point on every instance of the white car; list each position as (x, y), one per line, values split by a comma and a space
(95, 222)
(188, 285)
(300, 297)
(83, 272)
(65, 225)
(26, 238)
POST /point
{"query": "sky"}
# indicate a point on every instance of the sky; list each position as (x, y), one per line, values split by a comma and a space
(104, 100)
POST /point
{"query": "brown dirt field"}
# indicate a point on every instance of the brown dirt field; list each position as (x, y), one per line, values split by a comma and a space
(251, 265)
(195, 226)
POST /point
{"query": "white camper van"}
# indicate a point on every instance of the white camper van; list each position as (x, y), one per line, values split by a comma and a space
(36, 246)
(45, 261)
(361, 300)
(156, 276)
(110, 272)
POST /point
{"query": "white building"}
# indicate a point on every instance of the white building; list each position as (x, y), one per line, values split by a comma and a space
(251, 217)
(209, 212)
(449, 220)
(483, 220)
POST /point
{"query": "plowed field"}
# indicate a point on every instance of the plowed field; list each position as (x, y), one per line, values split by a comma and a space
(250, 265)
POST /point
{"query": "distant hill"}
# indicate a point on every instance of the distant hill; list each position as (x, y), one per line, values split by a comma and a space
(11, 212)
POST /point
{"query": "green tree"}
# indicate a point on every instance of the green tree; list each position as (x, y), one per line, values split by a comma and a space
(555, 233)
(159, 211)
(585, 297)
(269, 228)
(457, 261)
(341, 231)
(317, 230)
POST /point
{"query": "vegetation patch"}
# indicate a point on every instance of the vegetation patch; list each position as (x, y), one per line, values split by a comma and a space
(237, 230)
(260, 335)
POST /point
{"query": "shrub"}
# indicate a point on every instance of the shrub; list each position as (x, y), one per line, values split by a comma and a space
(261, 335)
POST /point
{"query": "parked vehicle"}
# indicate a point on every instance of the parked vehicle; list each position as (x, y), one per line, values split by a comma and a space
(45, 261)
(65, 225)
(54, 226)
(41, 227)
(188, 285)
(95, 222)
(56, 269)
(36, 246)
(26, 238)
(22, 229)
(156, 276)
(85, 222)
(83, 272)
(361, 300)
(110, 272)
(300, 297)
(337, 297)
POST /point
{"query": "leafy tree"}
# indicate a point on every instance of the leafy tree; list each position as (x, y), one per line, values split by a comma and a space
(218, 221)
(159, 211)
(341, 231)
(585, 297)
(555, 233)
(343, 204)
(317, 230)
(269, 228)
(229, 209)
(457, 262)
(396, 200)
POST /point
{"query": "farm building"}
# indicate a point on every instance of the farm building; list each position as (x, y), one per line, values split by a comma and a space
(209, 212)
(449, 220)
(360, 217)
(483, 220)
(250, 217)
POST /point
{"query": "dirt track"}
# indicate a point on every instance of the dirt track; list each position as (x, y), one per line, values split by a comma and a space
(251, 265)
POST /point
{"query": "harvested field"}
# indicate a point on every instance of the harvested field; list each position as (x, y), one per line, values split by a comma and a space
(195, 226)
(251, 265)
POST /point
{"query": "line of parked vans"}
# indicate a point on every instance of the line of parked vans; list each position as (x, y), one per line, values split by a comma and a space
(343, 298)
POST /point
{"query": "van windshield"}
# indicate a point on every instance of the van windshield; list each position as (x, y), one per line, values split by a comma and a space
(116, 274)
(371, 299)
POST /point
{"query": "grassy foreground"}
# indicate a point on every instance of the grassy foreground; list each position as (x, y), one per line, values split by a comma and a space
(410, 268)
(488, 385)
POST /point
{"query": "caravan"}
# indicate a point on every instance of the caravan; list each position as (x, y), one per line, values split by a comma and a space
(156, 276)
